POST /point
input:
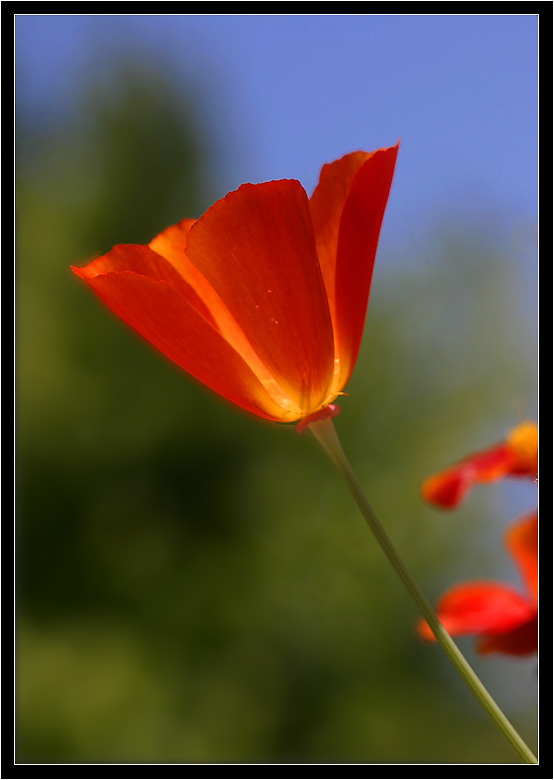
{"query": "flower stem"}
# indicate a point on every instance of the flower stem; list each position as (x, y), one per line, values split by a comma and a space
(325, 433)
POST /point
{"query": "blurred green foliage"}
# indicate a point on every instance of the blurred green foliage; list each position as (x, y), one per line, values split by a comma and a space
(194, 585)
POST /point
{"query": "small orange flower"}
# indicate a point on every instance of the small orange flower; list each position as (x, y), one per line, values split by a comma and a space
(504, 619)
(263, 298)
(517, 456)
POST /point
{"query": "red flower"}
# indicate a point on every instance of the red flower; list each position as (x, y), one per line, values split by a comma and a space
(263, 298)
(504, 619)
(517, 456)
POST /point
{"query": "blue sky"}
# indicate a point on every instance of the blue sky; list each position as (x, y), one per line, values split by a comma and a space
(286, 93)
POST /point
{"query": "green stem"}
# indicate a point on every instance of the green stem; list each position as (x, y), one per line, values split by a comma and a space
(325, 433)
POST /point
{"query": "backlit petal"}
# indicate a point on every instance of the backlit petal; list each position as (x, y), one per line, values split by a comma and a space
(147, 293)
(171, 245)
(523, 544)
(256, 249)
(326, 205)
(140, 260)
(359, 229)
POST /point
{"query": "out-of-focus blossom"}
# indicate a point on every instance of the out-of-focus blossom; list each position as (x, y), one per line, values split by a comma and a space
(503, 618)
(517, 456)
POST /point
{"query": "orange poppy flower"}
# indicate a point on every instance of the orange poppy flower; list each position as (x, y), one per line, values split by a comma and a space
(517, 456)
(263, 298)
(504, 619)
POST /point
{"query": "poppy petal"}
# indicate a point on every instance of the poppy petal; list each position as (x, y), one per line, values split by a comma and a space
(147, 293)
(256, 249)
(326, 205)
(359, 229)
(522, 542)
(517, 456)
(140, 260)
(522, 640)
(447, 488)
(171, 245)
(481, 607)
(524, 443)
